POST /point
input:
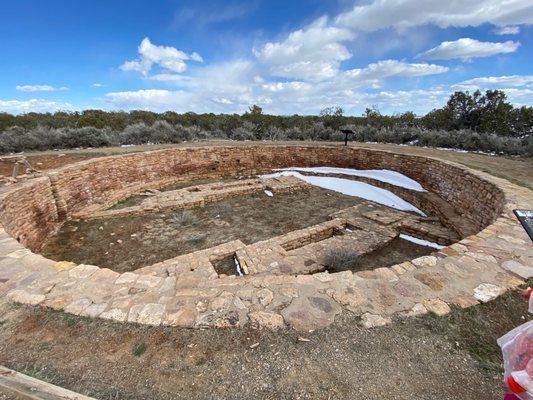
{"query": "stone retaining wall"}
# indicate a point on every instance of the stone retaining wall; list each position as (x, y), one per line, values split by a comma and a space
(32, 211)
(29, 213)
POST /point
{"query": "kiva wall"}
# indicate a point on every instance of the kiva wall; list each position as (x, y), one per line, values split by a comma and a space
(28, 212)
(32, 211)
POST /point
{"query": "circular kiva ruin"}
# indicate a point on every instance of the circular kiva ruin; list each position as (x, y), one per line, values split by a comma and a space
(270, 236)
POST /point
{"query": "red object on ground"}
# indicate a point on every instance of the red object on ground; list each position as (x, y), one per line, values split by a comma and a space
(510, 396)
(514, 386)
(527, 293)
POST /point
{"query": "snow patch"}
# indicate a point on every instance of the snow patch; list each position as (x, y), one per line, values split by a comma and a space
(269, 193)
(352, 188)
(383, 175)
(237, 266)
(421, 242)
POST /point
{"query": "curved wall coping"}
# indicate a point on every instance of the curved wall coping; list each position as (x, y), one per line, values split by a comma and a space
(478, 268)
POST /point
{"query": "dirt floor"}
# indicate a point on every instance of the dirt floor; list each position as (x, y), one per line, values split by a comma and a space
(127, 243)
(395, 252)
(425, 358)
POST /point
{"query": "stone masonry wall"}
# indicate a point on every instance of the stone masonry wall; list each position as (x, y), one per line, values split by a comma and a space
(32, 211)
(29, 213)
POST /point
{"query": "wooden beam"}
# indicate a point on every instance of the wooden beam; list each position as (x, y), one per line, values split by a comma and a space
(25, 387)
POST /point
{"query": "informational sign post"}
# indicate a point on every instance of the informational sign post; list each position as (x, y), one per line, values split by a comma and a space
(346, 133)
(526, 219)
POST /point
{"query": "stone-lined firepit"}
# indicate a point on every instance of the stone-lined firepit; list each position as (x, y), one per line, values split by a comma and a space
(281, 283)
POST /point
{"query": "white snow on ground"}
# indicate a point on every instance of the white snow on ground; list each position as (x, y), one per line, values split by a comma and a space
(421, 242)
(238, 266)
(269, 193)
(383, 175)
(352, 188)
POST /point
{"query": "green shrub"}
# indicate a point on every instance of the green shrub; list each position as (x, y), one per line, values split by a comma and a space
(139, 349)
(16, 139)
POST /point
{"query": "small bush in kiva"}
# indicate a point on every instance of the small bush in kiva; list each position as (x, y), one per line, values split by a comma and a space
(341, 258)
(185, 218)
(139, 349)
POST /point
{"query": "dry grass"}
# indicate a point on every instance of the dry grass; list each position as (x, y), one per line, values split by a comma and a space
(341, 258)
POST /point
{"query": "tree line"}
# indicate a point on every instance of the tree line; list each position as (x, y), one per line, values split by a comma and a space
(470, 121)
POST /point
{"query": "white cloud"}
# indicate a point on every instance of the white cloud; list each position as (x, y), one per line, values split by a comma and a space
(296, 97)
(233, 86)
(39, 88)
(466, 49)
(301, 72)
(495, 82)
(374, 74)
(170, 78)
(145, 98)
(196, 57)
(168, 58)
(33, 105)
(97, 85)
(507, 30)
(285, 99)
(519, 97)
(285, 86)
(419, 101)
(224, 87)
(382, 14)
(313, 53)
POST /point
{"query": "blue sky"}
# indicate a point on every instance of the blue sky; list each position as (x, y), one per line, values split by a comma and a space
(287, 56)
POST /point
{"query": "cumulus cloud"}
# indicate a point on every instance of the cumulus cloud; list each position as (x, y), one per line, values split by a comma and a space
(285, 98)
(375, 73)
(382, 14)
(286, 86)
(33, 105)
(223, 87)
(420, 101)
(519, 97)
(302, 72)
(313, 53)
(39, 88)
(144, 98)
(507, 30)
(167, 57)
(233, 86)
(495, 82)
(466, 49)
